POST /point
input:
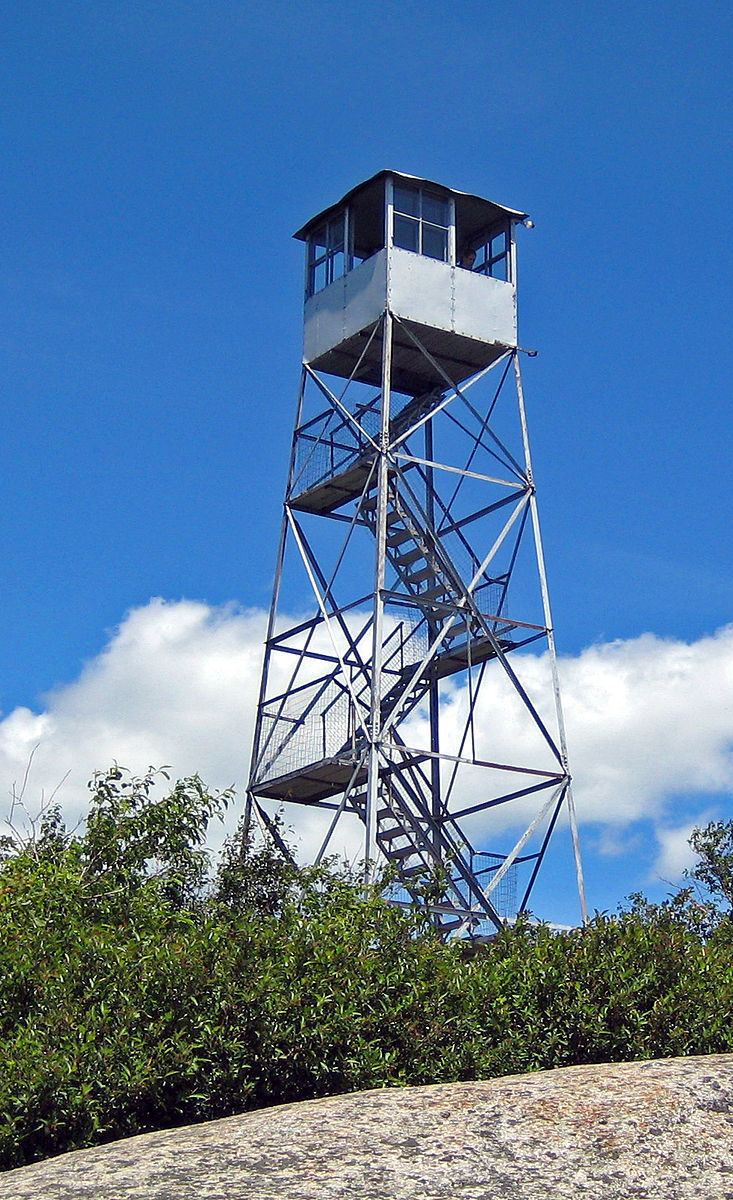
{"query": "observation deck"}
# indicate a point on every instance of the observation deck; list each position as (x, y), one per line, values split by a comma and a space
(439, 260)
(464, 321)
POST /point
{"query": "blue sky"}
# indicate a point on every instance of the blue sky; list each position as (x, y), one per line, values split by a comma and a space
(157, 158)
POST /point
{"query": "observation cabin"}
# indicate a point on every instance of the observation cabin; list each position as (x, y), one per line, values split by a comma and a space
(440, 260)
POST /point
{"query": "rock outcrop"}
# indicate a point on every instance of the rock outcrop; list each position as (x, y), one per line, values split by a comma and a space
(648, 1129)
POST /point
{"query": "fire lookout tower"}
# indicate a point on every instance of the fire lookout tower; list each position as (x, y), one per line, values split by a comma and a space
(398, 701)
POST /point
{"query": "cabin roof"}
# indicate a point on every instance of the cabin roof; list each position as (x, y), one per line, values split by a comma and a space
(471, 210)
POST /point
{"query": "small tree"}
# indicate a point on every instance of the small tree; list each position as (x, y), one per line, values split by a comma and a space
(134, 836)
(253, 879)
(714, 869)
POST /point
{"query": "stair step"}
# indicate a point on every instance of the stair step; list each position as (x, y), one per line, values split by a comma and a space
(401, 852)
(434, 593)
(359, 801)
(370, 505)
(405, 560)
(398, 536)
(389, 835)
(458, 628)
(410, 872)
(449, 926)
(426, 573)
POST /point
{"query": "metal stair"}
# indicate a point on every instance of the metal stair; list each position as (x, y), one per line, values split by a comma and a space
(416, 854)
(429, 578)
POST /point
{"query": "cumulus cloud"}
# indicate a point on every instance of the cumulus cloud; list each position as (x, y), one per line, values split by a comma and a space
(650, 720)
(176, 684)
(675, 853)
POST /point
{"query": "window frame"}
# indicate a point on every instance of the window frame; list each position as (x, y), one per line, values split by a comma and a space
(420, 221)
(490, 260)
(332, 247)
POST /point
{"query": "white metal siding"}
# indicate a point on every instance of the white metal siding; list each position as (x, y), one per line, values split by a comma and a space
(348, 305)
(451, 298)
(420, 289)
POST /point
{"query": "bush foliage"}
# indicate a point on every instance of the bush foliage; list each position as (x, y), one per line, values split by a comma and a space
(140, 989)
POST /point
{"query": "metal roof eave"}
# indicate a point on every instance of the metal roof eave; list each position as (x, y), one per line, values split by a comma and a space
(303, 232)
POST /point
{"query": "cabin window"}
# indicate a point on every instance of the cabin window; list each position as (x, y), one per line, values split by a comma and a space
(421, 221)
(326, 254)
(492, 255)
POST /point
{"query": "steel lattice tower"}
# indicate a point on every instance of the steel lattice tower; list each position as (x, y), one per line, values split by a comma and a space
(396, 700)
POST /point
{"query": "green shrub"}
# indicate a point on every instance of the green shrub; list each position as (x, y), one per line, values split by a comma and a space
(140, 989)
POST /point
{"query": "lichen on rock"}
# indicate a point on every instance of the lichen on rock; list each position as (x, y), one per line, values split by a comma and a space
(660, 1130)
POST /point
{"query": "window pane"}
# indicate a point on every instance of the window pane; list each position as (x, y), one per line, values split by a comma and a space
(319, 277)
(318, 242)
(406, 233)
(480, 256)
(407, 200)
(338, 264)
(435, 242)
(435, 209)
(336, 234)
(498, 245)
(498, 268)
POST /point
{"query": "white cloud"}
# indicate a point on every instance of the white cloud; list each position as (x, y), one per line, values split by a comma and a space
(650, 720)
(675, 853)
(174, 685)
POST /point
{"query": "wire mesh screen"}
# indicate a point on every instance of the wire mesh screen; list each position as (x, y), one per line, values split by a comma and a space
(322, 454)
(504, 896)
(489, 595)
(405, 642)
(318, 721)
(312, 725)
(329, 445)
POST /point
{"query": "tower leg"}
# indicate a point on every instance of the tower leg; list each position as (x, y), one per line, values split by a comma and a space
(551, 647)
(282, 545)
(433, 693)
(380, 559)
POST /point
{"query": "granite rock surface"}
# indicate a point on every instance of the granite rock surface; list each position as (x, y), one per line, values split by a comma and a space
(648, 1130)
